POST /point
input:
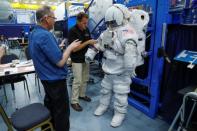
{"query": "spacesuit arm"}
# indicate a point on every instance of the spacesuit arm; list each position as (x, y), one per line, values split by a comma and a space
(84, 44)
(130, 56)
(99, 45)
(94, 49)
(90, 54)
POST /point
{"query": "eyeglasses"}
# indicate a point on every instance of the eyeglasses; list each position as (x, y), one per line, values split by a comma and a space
(52, 17)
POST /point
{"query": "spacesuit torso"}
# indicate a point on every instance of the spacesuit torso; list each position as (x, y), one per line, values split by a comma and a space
(119, 49)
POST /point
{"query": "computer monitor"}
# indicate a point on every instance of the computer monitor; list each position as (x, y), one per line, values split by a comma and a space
(61, 26)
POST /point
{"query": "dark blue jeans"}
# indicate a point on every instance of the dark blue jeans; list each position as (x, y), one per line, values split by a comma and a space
(57, 101)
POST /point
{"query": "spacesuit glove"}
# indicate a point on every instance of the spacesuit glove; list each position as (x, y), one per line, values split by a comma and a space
(87, 59)
(144, 54)
(130, 73)
(90, 54)
(133, 74)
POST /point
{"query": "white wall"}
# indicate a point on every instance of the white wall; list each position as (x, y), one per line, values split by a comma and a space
(60, 11)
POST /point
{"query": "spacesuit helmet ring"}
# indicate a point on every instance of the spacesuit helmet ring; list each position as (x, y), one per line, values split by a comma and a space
(111, 24)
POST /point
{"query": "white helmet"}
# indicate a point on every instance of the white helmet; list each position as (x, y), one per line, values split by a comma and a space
(139, 19)
(117, 15)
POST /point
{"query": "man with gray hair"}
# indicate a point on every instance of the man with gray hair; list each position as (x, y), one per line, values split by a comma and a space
(49, 63)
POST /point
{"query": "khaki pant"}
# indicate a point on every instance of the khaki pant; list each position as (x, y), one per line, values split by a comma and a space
(81, 77)
(2, 52)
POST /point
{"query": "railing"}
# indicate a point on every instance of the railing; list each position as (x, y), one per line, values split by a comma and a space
(94, 31)
(89, 6)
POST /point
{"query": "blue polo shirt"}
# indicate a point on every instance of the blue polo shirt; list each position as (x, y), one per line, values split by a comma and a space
(45, 54)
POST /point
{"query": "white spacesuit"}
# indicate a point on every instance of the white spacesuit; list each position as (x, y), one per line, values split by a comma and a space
(119, 45)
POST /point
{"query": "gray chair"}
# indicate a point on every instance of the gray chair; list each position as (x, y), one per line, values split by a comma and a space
(28, 57)
(28, 118)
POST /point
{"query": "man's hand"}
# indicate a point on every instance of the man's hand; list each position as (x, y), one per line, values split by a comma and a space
(62, 43)
(84, 44)
(67, 52)
(74, 45)
(92, 42)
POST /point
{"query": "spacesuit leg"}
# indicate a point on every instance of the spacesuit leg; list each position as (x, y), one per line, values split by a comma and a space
(121, 102)
(105, 97)
(121, 90)
(120, 109)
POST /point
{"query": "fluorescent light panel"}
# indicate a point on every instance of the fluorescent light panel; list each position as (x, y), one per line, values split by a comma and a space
(16, 0)
(33, 2)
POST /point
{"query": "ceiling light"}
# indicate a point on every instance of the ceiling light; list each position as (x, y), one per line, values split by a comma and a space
(50, 3)
(26, 1)
(15, 0)
(33, 2)
(43, 2)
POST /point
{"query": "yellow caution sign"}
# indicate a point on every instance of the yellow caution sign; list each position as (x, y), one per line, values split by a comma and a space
(28, 6)
(68, 4)
(86, 5)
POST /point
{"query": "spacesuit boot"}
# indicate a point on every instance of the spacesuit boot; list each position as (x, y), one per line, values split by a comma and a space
(100, 110)
(117, 119)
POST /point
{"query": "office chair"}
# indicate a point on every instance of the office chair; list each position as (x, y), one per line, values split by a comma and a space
(13, 79)
(28, 57)
(28, 118)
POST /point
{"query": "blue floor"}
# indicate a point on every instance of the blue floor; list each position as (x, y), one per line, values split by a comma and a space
(85, 120)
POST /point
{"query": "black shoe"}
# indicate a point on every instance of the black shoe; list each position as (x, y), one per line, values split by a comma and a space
(85, 98)
(76, 107)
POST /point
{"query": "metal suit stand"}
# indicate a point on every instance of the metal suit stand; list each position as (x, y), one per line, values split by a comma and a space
(184, 121)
